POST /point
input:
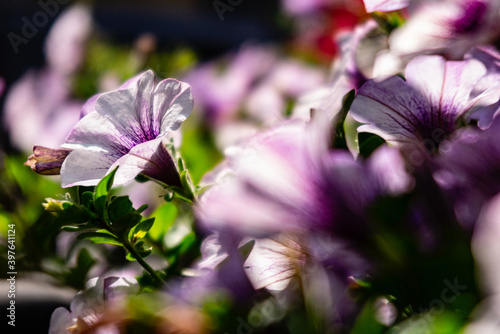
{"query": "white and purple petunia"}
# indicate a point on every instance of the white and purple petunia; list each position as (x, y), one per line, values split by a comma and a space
(424, 108)
(449, 27)
(128, 127)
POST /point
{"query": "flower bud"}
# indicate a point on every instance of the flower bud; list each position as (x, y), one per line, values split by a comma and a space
(47, 161)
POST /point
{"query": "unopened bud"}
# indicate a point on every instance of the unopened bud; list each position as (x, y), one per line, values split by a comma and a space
(54, 205)
(47, 161)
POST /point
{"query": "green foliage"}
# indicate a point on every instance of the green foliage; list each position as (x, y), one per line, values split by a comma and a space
(368, 143)
(106, 219)
(339, 137)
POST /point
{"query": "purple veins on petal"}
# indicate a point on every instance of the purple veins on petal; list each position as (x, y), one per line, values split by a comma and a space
(471, 17)
(128, 127)
(422, 110)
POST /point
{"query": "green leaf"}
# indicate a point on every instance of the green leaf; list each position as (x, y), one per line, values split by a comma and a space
(77, 276)
(368, 143)
(70, 228)
(187, 243)
(87, 199)
(165, 217)
(100, 238)
(187, 184)
(141, 251)
(73, 214)
(339, 139)
(142, 229)
(100, 207)
(105, 185)
(125, 223)
(142, 208)
(366, 322)
(119, 207)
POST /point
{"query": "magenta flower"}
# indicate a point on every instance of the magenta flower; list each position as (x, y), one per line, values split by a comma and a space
(424, 109)
(128, 127)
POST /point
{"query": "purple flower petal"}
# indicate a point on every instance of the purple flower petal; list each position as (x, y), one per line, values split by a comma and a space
(425, 108)
(126, 128)
(151, 159)
(86, 167)
(172, 104)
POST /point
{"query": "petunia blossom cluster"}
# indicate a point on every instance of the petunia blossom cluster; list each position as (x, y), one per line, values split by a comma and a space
(377, 210)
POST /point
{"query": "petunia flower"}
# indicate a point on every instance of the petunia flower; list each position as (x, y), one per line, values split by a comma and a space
(424, 109)
(449, 27)
(87, 306)
(469, 170)
(39, 106)
(486, 251)
(286, 180)
(490, 57)
(129, 127)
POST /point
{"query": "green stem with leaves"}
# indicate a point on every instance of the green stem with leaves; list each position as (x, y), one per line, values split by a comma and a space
(141, 261)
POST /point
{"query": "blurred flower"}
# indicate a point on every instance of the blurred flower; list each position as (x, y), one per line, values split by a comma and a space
(220, 88)
(286, 180)
(88, 306)
(486, 251)
(449, 27)
(65, 44)
(220, 268)
(318, 24)
(287, 80)
(385, 5)
(300, 7)
(490, 57)
(353, 68)
(424, 109)
(130, 128)
(469, 170)
(38, 107)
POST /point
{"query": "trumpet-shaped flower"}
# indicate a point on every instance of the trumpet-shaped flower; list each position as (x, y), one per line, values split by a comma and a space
(425, 108)
(128, 127)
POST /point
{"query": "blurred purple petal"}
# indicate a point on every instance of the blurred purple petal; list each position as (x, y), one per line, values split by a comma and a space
(449, 27)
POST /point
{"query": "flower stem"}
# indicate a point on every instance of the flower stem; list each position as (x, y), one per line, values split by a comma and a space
(143, 263)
